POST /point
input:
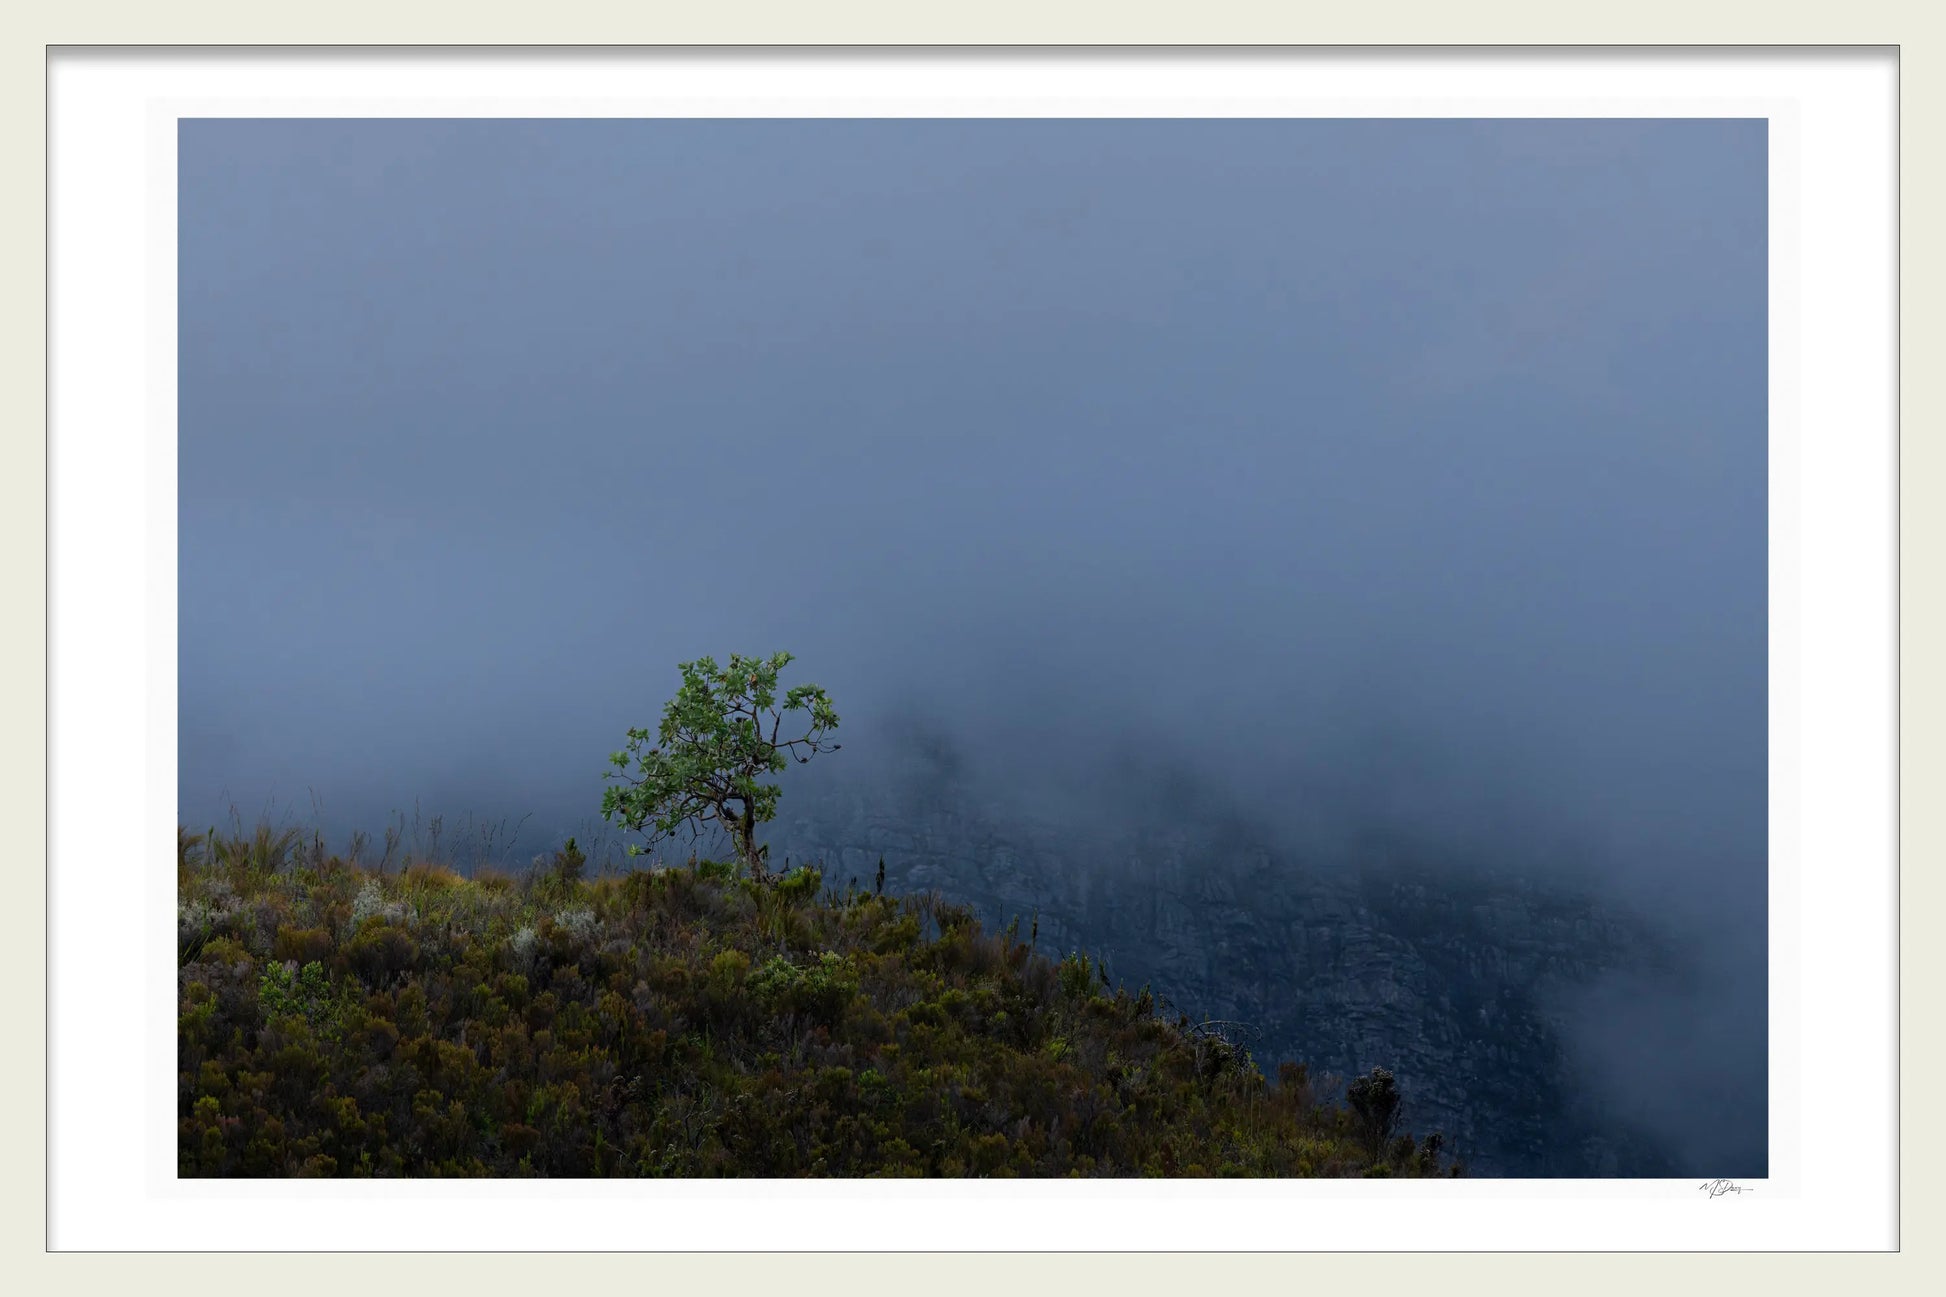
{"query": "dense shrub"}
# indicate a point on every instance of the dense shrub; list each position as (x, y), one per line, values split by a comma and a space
(335, 1022)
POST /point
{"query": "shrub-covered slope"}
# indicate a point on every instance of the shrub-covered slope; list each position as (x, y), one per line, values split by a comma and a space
(334, 1021)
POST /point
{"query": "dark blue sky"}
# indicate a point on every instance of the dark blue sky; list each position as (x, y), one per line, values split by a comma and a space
(1416, 462)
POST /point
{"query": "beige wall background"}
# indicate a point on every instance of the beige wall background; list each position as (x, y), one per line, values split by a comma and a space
(29, 29)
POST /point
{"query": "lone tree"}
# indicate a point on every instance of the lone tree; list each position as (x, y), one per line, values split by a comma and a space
(721, 734)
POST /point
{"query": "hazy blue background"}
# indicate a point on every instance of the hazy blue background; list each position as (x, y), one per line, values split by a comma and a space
(1409, 472)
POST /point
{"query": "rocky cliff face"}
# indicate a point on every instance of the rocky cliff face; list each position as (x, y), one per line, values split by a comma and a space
(1458, 984)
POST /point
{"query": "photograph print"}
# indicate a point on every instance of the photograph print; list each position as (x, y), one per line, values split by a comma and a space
(1096, 647)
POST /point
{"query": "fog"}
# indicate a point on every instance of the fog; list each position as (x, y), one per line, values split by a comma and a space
(1367, 475)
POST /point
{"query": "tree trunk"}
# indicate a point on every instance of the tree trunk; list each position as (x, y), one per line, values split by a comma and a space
(747, 841)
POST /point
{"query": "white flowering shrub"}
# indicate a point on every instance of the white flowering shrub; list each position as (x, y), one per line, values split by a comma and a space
(195, 923)
(370, 903)
(578, 922)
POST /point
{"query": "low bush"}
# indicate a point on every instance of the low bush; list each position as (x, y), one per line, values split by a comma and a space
(688, 1021)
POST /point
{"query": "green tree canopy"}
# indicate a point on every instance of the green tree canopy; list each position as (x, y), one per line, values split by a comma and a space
(721, 734)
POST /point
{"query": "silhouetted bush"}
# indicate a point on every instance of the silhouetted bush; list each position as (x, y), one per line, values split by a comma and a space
(1375, 1098)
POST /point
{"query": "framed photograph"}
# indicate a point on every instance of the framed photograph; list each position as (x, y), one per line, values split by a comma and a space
(1258, 650)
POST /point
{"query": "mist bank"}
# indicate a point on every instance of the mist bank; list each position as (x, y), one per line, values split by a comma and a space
(1325, 783)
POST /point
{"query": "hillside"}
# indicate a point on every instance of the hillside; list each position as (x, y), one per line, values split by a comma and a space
(1463, 981)
(336, 1021)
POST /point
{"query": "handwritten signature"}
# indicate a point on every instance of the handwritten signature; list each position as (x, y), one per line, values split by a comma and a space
(1717, 1188)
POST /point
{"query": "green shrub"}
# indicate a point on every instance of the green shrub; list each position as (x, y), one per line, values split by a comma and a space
(301, 945)
(684, 1023)
(716, 870)
(570, 862)
(800, 884)
(380, 951)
